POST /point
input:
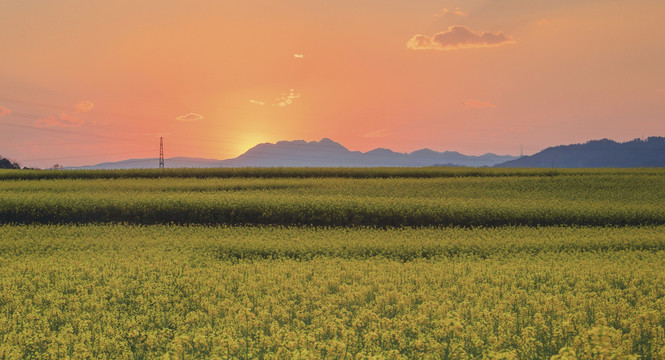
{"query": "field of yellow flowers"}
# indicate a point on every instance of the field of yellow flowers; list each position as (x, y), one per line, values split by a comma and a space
(314, 264)
(498, 198)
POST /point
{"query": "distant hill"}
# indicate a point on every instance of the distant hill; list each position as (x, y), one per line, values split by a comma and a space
(150, 163)
(330, 153)
(326, 152)
(597, 154)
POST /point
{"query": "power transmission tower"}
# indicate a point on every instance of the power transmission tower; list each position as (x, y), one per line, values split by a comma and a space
(521, 152)
(161, 153)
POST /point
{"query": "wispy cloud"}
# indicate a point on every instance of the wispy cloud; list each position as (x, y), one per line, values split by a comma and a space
(298, 56)
(381, 133)
(4, 111)
(256, 102)
(477, 104)
(83, 107)
(661, 91)
(287, 99)
(458, 37)
(63, 120)
(543, 21)
(451, 12)
(189, 117)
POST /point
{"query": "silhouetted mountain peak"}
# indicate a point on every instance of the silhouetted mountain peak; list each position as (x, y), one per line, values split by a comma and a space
(289, 143)
(457, 153)
(598, 153)
(297, 148)
(324, 152)
(380, 151)
(327, 141)
(424, 152)
(329, 144)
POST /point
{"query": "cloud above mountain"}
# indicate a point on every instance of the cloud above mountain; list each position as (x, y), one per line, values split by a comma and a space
(189, 117)
(458, 37)
(451, 12)
(4, 111)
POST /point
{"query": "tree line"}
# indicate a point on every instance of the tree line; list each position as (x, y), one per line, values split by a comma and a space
(9, 164)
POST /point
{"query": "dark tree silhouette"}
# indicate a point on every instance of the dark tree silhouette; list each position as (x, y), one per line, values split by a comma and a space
(6, 164)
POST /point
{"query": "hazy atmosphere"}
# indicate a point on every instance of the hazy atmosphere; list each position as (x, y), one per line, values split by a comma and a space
(309, 179)
(84, 82)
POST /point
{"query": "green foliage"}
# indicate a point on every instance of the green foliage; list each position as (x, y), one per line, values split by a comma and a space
(598, 198)
(116, 291)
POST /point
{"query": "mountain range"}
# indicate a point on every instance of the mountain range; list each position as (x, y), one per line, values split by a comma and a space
(325, 152)
(649, 152)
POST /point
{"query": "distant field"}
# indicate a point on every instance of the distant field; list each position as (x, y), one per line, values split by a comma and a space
(521, 197)
(441, 263)
(304, 172)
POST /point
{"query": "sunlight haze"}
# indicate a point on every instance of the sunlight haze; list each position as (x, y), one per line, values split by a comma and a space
(83, 82)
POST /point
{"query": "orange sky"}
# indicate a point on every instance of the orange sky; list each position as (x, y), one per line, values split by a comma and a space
(83, 82)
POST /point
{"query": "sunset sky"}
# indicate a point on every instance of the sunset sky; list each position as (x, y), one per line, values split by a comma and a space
(83, 82)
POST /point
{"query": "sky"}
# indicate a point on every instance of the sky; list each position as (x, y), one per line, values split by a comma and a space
(82, 82)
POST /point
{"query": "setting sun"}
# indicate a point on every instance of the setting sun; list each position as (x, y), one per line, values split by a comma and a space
(247, 141)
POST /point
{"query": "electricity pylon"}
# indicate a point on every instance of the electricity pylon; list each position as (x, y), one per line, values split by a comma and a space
(161, 153)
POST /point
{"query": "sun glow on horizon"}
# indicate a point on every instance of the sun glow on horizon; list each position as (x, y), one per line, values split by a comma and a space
(246, 141)
(506, 78)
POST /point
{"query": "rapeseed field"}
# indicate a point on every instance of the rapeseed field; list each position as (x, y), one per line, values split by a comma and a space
(434, 263)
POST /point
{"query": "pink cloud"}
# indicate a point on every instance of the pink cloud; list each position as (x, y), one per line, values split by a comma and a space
(477, 104)
(83, 107)
(50, 121)
(64, 120)
(4, 111)
(458, 37)
(189, 117)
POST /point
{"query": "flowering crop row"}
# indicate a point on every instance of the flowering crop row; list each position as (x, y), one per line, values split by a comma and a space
(599, 199)
(117, 291)
(304, 172)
